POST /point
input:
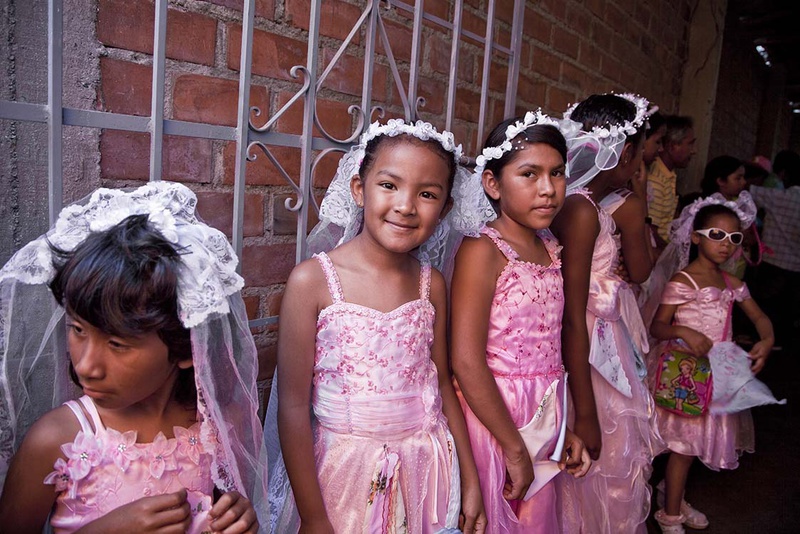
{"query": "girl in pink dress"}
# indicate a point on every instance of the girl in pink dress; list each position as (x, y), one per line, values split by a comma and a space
(362, 343)
(695, 307)
(604, 339)
(167, 416)
(506, 340)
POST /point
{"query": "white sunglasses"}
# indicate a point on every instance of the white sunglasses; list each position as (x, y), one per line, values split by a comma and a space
(717, 234)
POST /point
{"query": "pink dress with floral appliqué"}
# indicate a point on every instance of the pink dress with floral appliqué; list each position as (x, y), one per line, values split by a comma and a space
(385, 458)
(718, 440)
(523, 352)
(614, 496)
(106, 469)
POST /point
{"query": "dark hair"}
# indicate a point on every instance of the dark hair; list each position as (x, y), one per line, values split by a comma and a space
(654, 122)
(703, 218)
(607, 110)
(538, 133)
(386, 141)
(678, 127)
(754, 173)
(788, 161)
(719, 167)
(124, 281)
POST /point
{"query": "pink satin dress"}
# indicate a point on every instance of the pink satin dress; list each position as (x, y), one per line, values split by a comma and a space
(523, 352)
(386, 461)
(106, 469)
(614, 496)
(718, 440)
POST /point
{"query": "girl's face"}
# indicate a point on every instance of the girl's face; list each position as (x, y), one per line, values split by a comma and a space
(686, 369)
(654, 144)
(117, 372)
(717, 251)
(531, 187)
(733, 184)
(404, 195)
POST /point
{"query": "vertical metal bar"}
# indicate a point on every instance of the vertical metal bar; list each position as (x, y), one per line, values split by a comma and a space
(306, 139)
(55, 47)
(157, 97)
(487, 63)
(514, 59)
(416, 45)
(451, 85)
(369, 61)
(242, 128)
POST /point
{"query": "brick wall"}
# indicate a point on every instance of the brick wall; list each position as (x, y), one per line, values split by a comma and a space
(570, 49)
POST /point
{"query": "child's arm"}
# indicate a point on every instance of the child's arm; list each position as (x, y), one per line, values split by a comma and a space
(577, 228)
(760, 350)
(471, 499)
(476, 270)
(296, 347)
(661, 328)
(636, 250)
(27, 500)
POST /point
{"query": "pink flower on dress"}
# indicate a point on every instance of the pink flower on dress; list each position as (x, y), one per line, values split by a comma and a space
(59, 477)
(122, 447)
(82, 454)
(161, 455)
(188, 443)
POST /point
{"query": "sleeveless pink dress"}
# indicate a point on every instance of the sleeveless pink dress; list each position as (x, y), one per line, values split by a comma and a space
(106, 469)
(718, 440)
(614, 496)
(523, 352)
(385, 458)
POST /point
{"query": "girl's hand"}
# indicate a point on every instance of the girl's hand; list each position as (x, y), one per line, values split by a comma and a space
(519, 470)
(698, 343)
(473, 514)
(576, 458)
(588, 429)
(160, 513)
(316, 526)
(233, 514)
(759, 354)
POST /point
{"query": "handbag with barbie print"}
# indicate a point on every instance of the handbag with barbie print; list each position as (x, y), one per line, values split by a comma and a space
(683, 383)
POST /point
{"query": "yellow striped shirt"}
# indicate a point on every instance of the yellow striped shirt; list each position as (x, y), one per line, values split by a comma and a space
(662, 199)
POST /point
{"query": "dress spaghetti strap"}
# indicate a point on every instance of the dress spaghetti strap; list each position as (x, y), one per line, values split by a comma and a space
(425, 281)
(334, 286)
(689, 277)
(88, 427)
(510, 254)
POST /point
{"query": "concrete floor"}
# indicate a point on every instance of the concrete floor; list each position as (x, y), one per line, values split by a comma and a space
(763, 494)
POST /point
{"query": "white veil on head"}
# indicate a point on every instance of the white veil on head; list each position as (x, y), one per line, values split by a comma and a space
(34, 375)
(597, 150)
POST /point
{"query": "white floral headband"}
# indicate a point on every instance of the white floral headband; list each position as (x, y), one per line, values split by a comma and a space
(643, 110)
(420, 129)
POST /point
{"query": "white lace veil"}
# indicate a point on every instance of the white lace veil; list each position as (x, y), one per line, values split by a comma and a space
(34, 375)
(591, 152)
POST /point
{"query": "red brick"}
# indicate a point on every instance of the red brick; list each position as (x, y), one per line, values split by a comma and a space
(331, 114)
(473, 23)
(537, 26)
(558, 100)
(498, 77)
(504, 10)
(434, 93)
(616, 19)
(261, 171)
(532, 92)
(125, 87)
(643, 15)
(612, 69)
(439, 50)
(589, 55)
(439, 9)
(265, 265)
(252, 305)
(601, 35)
(273, 55)
(216, 208)
(336, 18)
(212, 100)
(129, 24)
(348, 74)
(401, 38)
(467, 104)
(325, 171)
(579, 20)
(545, 63)
(267, 361)
(597, 7)
(126, 156)
(566, 42)
(557, 8)
(264, 8)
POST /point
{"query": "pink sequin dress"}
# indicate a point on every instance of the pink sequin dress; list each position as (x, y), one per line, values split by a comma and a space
(718, 440)
(523, 352)
(614, 496)
(385, 458)
(106, 469)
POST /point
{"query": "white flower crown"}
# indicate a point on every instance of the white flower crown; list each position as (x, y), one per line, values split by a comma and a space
(513, 130)
(643, 111)
(420, 129)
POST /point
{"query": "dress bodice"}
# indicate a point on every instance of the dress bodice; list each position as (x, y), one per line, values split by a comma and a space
(703, 309)
(526, 294)
(106, 469)
(371, 365)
